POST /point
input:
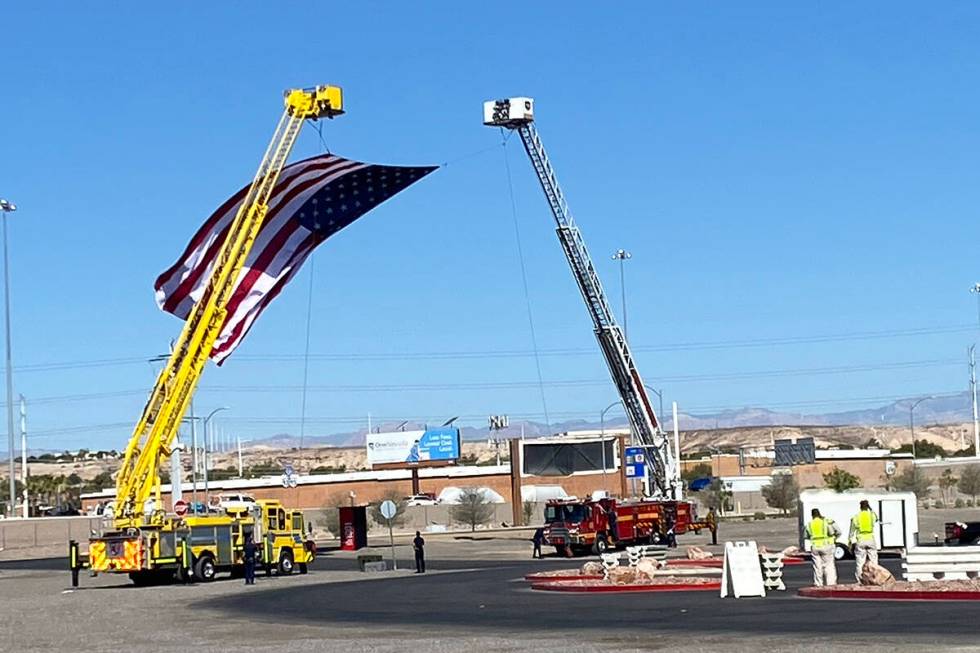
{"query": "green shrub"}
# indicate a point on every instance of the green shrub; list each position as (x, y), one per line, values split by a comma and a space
(939, 504)
(925, 506)
(959, 503)
(759, 516)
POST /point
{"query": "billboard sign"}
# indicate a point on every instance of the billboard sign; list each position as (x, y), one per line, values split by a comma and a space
(800, 452)
(413, 447)
(636, 462)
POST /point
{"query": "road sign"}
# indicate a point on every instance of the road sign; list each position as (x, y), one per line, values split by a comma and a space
(636, 462)
(180, 508)
(388, 509)
(288, 476)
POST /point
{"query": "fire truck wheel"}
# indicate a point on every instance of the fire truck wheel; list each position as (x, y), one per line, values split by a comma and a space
(286, 563)
(204, 569)
(601, 545)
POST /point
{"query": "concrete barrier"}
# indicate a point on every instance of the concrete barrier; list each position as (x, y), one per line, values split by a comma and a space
(38, 532)
(942, 563)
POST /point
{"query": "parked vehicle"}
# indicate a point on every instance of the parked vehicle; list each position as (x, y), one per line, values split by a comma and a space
(959, 533)
(421, 500)
(898, 516)
(235, 502)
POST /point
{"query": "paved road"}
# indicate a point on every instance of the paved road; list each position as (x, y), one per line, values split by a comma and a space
(473, 598)
(491, 597)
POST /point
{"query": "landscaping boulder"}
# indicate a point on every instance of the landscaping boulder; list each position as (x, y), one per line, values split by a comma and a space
(872, 574)
(647, 567)
(623, 576)
(697, 553)
(592, 568)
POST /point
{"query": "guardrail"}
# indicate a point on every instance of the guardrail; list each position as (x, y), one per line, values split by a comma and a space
(941, 563)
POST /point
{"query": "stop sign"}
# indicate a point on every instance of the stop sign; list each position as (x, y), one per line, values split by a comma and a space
(180, 508)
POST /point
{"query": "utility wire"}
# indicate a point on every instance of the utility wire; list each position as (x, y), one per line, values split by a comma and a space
(52, 366)
(502, 385)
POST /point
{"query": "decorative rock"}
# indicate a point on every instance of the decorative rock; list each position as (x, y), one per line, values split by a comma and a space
(592, 568)
(697, 553)
(872, 574)
(623, 576)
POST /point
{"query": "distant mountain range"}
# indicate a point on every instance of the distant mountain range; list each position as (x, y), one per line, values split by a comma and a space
(944, 409)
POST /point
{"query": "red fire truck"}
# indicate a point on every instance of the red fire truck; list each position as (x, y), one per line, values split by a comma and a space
(575, 526)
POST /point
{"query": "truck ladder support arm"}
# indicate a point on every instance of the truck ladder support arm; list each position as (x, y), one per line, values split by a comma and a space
(517, 114)
(153, 436)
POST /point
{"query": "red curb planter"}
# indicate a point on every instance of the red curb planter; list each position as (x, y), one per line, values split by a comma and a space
(678, 587)
(883, 595)
(560, 579)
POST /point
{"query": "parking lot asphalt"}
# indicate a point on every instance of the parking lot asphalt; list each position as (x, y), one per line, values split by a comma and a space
(473, 597)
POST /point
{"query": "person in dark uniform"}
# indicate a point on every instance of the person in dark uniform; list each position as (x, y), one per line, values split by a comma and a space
(537, 539)
(250, 552)
(419, 545)
(671, 536)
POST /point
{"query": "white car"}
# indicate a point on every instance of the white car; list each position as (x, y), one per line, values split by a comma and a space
(420, 500)
(235, 502)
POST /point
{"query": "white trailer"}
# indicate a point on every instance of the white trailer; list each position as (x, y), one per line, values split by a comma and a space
(898, 516)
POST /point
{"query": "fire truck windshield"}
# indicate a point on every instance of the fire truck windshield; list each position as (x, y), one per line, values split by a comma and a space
(567, 513)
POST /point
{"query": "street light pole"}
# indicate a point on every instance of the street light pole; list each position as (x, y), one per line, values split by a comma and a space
(912, 423)
(602, 438)
(975, 289)
(660, 396)
(973, 391)
(207, 420)
(6, 207)
(622, 256)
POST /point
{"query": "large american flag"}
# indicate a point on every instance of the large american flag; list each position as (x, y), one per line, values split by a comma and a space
(312, 200)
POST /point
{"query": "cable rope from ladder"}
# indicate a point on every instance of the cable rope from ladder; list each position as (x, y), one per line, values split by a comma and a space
(527, 294)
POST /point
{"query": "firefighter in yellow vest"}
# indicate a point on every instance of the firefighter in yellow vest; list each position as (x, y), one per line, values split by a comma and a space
(862, 538)
(822, 533)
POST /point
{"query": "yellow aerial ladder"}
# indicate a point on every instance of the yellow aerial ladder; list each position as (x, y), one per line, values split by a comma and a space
(145, 537)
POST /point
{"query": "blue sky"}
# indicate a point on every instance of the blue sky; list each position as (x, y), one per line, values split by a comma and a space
(777, 171)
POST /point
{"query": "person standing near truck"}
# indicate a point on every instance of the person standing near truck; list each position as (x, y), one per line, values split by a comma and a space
(862, 538)
(822, 533)
(537, 539)
(249, 553)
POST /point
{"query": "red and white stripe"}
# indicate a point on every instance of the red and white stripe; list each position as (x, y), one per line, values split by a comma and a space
(279, 250)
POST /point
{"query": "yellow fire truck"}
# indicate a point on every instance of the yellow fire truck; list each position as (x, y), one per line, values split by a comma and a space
(145, 541)
(199, 547)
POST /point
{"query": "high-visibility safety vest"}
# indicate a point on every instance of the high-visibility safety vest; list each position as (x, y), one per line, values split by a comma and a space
(863, 526)
(820, 532)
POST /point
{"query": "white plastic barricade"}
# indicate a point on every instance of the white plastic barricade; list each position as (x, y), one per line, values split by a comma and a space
(772, 567)
(741, 567)
(636, 553)
(609, 562)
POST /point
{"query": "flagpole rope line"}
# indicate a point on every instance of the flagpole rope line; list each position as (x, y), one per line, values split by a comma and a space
(520, 256)
(306, 355)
